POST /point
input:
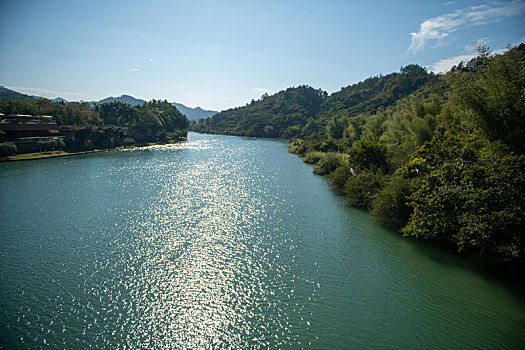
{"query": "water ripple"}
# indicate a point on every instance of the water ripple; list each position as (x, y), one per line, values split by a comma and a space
(220, 242)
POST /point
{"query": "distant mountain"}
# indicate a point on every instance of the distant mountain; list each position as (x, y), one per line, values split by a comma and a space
(124, 99)
(194, 113)
(191, 113)
(7, 94)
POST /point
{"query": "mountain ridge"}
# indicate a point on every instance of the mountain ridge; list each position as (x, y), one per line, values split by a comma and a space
(305, 111)
(191, 113)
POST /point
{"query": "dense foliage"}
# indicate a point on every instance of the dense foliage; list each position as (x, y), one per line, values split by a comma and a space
(281, 115)
(469, 192)
(440, 156)
(76, 113)
(158, 119)
(152, 121)
(305, 111)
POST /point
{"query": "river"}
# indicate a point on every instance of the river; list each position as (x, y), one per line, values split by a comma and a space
(224, 242)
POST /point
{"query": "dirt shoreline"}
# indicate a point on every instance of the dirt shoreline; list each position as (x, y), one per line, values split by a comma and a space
(44, 156)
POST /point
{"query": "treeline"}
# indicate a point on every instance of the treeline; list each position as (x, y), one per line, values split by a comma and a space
(304, 111)
(440, 156)
(75, 113)
(157, 120)
(281, 115)
(153, 121)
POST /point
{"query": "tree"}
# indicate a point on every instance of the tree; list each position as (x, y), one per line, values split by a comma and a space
(369, 155)
(335, 128)
(492, 99)
(467, 193)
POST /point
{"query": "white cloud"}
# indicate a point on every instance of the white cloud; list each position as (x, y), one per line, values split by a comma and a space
(133, 70)
(151, 60)
(262, 90)
(499, 51)
(450, 3)
(446, 64)
(441, 27)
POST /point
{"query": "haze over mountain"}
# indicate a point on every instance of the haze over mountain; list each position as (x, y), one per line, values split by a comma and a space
(60, 99)
(191, 113)
(194, 113)
(8, 94)
(124, 99)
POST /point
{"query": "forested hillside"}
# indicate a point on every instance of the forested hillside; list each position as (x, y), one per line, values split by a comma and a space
(75, 113)
(158, 118)
(7, 94)
(281, 115)
(440, 156)
(305, 111)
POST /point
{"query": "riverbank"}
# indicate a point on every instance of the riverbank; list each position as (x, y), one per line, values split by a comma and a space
(441, 194)
(44, 155)
(56, 154)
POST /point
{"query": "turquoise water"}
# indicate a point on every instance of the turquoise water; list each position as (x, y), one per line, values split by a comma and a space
(223, 242)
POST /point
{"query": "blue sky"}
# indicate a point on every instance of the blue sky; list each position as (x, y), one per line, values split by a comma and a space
(222, 54)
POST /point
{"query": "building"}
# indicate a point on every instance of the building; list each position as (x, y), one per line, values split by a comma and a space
(16, 126)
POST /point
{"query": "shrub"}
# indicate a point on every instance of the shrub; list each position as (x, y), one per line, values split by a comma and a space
(50, 145)
(128, 141)
(329, 162)
(297, 146)
(8, 149)
(340, 176)
(361, 189)
(328, 146)
(369, 155)
(390, 203)
(313, 157)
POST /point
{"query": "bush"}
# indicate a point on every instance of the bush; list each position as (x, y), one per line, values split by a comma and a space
(362, 188)
(340, 176)
(8, 149)
(129, 141)
(313, 157)
(328, 146)
(468, 196)
(50, 145)
(329, 162)
(177, 136)
(369, 155)
(297, 146)
(390, 203)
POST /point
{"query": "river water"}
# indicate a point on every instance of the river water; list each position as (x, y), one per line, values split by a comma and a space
(223, 242)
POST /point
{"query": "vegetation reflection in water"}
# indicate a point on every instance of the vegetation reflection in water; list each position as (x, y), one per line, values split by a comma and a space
(222, 242)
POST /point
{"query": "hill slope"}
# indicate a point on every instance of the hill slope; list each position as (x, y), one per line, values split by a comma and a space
(281, 115)
(191, 113)
(304, 111)
(8, 94)
(124, 99)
